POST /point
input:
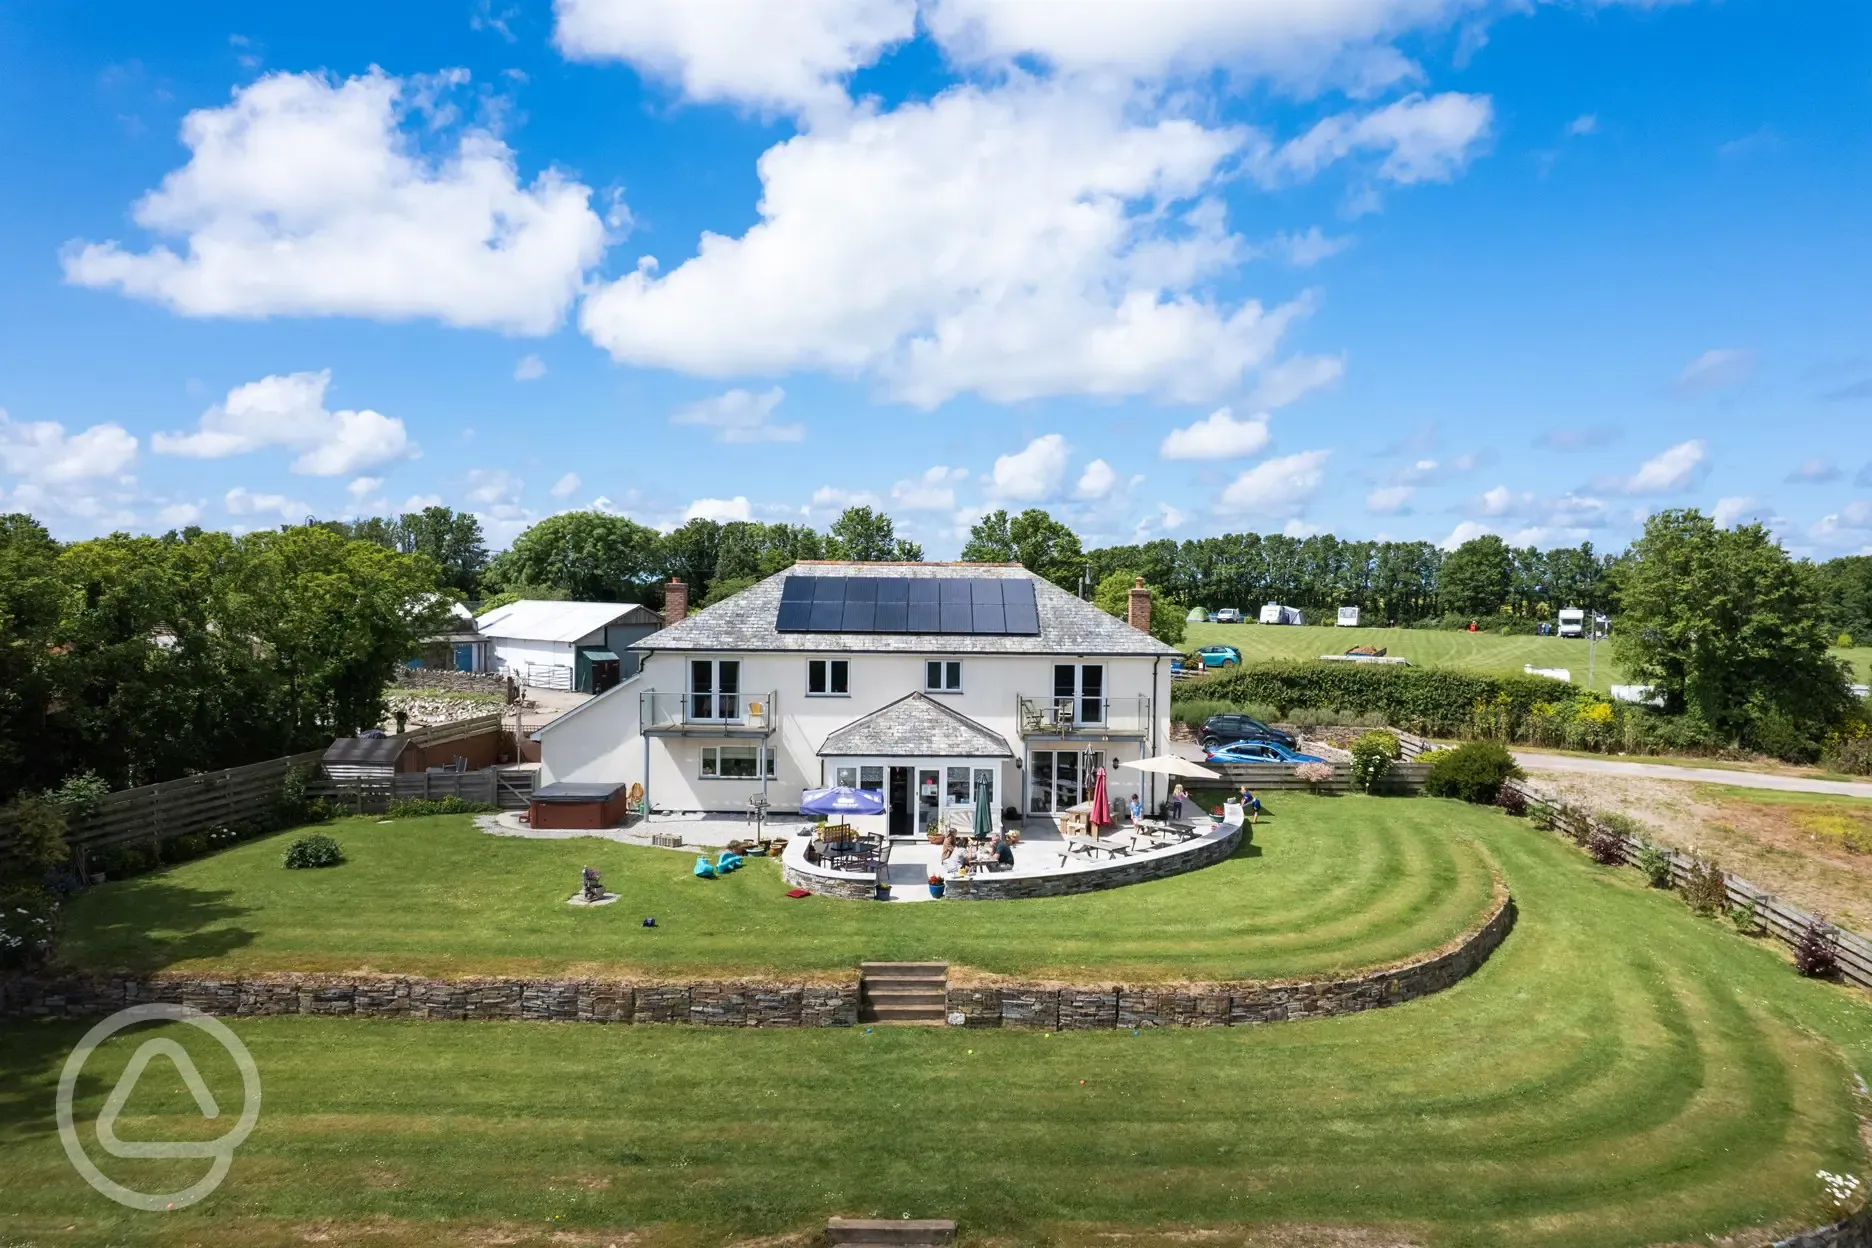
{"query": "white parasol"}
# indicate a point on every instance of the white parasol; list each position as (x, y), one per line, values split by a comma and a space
(1171, 765)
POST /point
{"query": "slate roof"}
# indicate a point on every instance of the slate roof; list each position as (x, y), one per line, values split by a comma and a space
(745, 622)
(534, 620)
(915, 726)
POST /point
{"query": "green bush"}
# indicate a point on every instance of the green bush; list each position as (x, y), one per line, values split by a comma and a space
(1474, 771)
(419, 807)
(28, 924)
(317, 850)
(1422, 699)
(1704, 889)
(38, 832)
(182, 848)
(1195, 711)
(1372, 756)
(1852, 757)
(1655, 864)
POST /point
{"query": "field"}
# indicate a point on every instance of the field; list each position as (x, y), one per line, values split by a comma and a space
(438, 897)
(1619, 1072)
(1477, 652)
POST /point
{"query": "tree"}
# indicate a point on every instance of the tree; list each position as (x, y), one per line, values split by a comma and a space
(690, 554)
(1167, 620)
(452, 541)
(1726, 627)
(591, 555)
(866, 536)
(30, 603)
(1033, 539)
(1845, 587)
(1476, 577)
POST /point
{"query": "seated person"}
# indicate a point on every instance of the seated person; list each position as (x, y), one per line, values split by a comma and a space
(1003, 852)
(954, 859)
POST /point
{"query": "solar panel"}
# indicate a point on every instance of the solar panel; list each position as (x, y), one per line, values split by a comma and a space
(952, 606)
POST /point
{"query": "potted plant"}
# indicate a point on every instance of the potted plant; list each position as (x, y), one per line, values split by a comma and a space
(936, 884)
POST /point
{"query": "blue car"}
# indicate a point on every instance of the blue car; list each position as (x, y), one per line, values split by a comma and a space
(1217, 656)
(1259, 752)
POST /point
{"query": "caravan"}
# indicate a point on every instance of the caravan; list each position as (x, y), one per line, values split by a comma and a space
(1348, 617)
(1274, 613)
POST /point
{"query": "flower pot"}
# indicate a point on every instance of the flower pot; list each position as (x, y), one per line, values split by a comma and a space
(936, 890)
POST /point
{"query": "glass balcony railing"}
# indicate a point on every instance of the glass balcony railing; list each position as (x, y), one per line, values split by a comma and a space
(697, 712)
(1069, 716)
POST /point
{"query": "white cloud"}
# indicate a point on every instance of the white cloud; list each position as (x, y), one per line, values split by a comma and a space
(1303, 251)
(309, 197)
(494, 487)
(179, 515)
(1432, 471)
(1500, 501)
(740, 416)
(934, 490)
(1216, 436)
(1032, 473)
(362, 488)
(566, 486)
(1847, 529)
(1097, 481)
(1275, 487)
(1815, 471)
(833, 498)
(1465, 531)
(1667, 471)
(239, 501)
(1389, 500)
(420, 502)
(721, 510)
(1030, 240)
(1294, 378)
(42, 452)
(1736, 509)
(1584, 124)
(289, 411)
(1300, 528)
(1717, 370)
(1424, 138)
(530, 368)
(1170, 518)
(780, 56)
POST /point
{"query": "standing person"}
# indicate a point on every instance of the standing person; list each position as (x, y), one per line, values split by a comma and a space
(1177, 798)
(1250, 804)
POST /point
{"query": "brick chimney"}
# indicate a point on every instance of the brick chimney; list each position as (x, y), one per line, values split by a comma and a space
(1137, 607)
(675, 602)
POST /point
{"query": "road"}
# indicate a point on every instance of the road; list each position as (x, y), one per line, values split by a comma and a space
(1701, 775)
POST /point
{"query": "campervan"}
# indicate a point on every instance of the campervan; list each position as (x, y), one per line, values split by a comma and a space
(1572, 622)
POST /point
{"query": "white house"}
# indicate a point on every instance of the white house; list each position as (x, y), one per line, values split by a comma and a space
(914, 680)
(566, 645)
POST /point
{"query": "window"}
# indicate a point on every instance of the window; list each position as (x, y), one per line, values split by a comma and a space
(714, 689)
(1079, 692)
(847, 777)
(734, 762)
(828, 678)
(959, 794)
(943, 676)
(860, 778)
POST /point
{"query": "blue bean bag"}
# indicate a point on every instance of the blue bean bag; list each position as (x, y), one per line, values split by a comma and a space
(702, 868)
(728, 862)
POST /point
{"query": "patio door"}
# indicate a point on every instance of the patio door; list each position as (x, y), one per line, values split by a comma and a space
(1058, 780)
(902, 813)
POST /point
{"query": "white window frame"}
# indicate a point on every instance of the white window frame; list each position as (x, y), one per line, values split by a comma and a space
(947, 668)
(835, 671)
(707, 752)
(713, 693)
(1075, 703)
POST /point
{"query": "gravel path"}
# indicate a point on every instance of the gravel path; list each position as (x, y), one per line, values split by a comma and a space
(1535, 761)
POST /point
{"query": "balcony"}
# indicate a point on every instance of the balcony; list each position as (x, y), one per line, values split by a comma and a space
(1083, 717)
(707, 714)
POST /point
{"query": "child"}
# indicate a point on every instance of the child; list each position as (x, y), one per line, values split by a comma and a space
(1136, 808)
(1251, 804)
(1177, 798)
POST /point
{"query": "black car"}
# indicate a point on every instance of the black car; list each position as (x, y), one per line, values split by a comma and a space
(1219, 730)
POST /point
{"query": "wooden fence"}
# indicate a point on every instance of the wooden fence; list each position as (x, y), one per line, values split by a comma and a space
(1280, 778)
(1784, 922)
(510, 788)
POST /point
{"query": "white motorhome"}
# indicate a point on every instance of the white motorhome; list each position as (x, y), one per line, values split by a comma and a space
(1572, 622)
(1274, 613)
(1348, 617)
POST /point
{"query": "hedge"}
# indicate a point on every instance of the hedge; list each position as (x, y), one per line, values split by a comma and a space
(1424, 699)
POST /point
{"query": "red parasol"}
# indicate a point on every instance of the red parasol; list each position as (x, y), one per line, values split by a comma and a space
(1101, 803)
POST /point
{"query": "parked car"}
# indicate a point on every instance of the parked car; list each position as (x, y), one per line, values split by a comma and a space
(1259, 752)
(1227, 615)
(1216, 656)
(1226, 729)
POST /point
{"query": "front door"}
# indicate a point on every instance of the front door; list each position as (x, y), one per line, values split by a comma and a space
(902, 813)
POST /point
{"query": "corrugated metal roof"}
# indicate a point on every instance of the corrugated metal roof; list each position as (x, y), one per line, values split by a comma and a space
(746, 621)
(532, 620)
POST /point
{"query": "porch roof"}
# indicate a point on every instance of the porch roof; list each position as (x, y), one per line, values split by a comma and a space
(915, 726)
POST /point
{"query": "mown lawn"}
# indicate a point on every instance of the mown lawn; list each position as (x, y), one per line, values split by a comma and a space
(1327, 885)
(1475, 652)
(1618, 1073)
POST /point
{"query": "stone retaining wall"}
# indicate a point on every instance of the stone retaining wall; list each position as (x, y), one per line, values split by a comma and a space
(735, 1003)
(1083, 878)
(1852, 1231)
(443, 678)
(1081, 1008)
(851, 885)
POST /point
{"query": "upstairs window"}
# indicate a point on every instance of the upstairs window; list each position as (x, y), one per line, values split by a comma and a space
(828, 678)
(1079, 692)
(715, 689)
(943, 676)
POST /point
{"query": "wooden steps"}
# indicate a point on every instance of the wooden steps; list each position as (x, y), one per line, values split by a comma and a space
(904, 1233)
(903, 992)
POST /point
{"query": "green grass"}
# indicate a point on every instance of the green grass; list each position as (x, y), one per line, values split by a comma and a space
(1326, 886)
(1424, 647)
(1618, 1073)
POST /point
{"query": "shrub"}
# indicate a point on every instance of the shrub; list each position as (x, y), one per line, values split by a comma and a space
(1540, 814)
(1313, 773)
(38, 832)
(183, 848)
(1606, 847)
(419, 807)
(1816, 953)
(1372, 756)
(1852, 757)
(28, 924)
(1704, 889)
(317, 850)
(1844, 641)
(1655, 864)
(1746, 918)
(1423, 699)
(121, 861)
(1514, 802)
(80, 795)
(1474, 772)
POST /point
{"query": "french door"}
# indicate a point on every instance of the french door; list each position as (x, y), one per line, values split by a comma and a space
(715, 689)
(1058, 780)
(1079, 693)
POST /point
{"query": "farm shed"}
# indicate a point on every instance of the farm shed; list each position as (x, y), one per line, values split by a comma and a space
(567, 645)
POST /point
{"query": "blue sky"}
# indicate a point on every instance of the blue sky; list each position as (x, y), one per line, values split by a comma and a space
(1402, 268)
